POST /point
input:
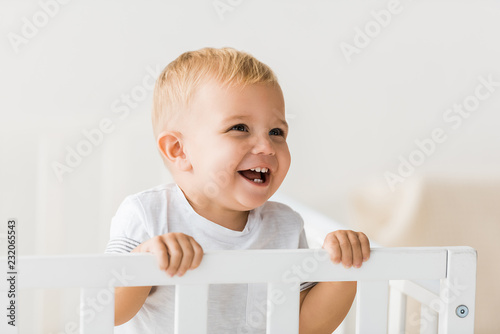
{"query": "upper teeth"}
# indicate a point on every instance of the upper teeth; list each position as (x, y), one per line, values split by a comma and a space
(260, 169)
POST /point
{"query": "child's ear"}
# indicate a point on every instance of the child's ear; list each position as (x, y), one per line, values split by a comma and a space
(171, 147)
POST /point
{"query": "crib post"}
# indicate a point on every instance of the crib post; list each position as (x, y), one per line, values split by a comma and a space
(97, 310)
(457, 292)
(371, 307)
(191, 308)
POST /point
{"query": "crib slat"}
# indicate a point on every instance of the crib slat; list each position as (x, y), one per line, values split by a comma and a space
(371, 307)
(428, 320)
(97, 310)
(397, 311)
(283, 305)
(417, 292)
(191, 305)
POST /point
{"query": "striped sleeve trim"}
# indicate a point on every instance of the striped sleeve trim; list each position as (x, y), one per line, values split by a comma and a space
(307, 285)
(121, 245)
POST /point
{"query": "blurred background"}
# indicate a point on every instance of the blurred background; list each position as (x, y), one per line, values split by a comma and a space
(393, 108)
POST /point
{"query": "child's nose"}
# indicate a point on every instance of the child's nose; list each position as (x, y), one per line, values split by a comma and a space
(264, 146)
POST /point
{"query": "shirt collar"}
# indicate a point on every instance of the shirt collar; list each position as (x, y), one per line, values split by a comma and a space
(195, 218)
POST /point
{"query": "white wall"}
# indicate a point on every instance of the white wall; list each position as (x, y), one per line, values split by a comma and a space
(350, 120)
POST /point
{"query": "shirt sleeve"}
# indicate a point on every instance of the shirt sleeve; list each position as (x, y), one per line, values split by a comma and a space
(303, 244)
(303, 239)
(128, 227)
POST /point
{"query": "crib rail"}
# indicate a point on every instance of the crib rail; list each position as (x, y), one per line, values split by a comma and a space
(282, 270)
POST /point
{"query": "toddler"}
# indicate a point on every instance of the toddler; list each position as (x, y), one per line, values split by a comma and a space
(219, 124)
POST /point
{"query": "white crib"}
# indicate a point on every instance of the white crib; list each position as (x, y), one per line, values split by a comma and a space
(384, 281)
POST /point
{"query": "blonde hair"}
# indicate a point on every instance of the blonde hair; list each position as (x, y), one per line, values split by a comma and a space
(179, 80)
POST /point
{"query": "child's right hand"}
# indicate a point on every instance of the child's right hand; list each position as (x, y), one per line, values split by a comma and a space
(175, 252)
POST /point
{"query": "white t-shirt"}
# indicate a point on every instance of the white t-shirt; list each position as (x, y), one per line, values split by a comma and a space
(232, 308)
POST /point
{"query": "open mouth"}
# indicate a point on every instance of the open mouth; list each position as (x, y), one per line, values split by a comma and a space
(258, 176)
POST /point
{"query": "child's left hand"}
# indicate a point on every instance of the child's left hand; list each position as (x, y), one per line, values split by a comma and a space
(349, 247)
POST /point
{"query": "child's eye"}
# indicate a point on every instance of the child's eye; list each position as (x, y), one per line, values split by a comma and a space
(239, 127)
(276, 132)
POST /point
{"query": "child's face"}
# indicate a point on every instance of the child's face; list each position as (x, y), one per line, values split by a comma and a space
(227, 133)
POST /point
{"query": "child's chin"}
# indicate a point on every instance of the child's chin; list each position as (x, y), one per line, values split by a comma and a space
(254, 202)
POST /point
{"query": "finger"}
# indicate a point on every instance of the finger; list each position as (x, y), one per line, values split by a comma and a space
(158, 248)
(175, 252)
(345, 247)
(187, 254)
(357, 254)
(198, 254)
(332, 245)
(365, 246)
